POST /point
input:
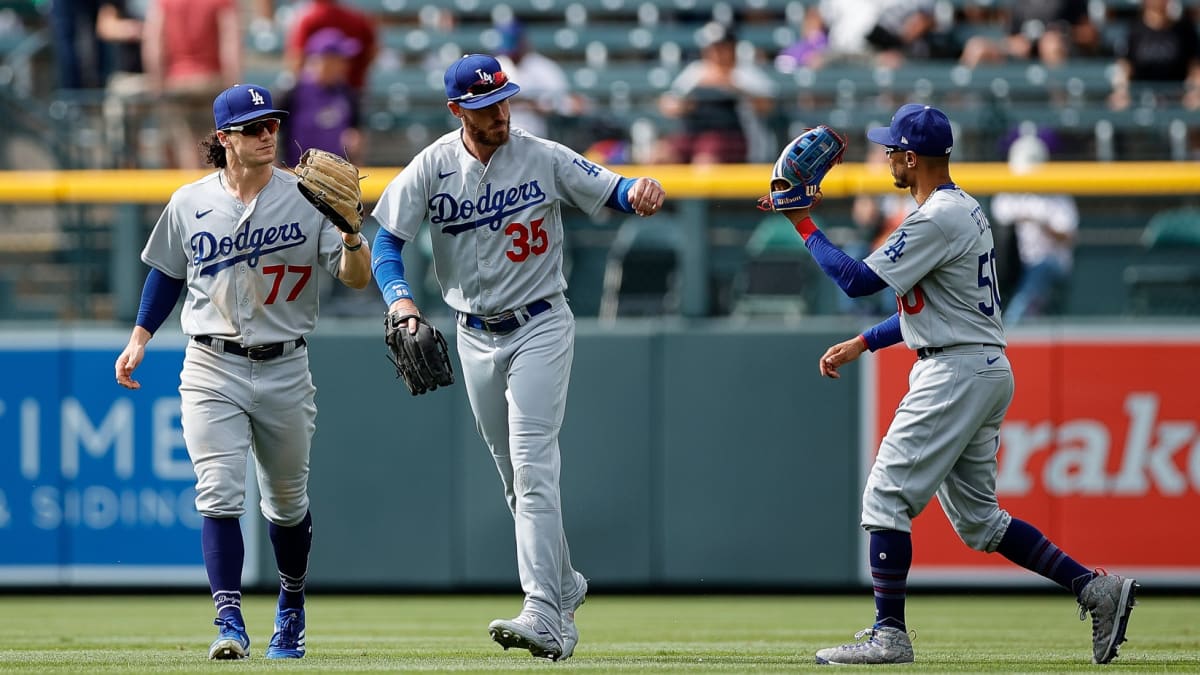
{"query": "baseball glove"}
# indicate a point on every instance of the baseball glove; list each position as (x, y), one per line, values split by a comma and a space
(796, 178)
(330, 183)
(421, 359)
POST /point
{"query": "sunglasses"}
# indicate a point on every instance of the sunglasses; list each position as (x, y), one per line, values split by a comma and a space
(256, 127)
(482, 87)
(890, 149)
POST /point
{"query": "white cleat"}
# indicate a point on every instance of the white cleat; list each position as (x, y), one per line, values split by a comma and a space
(883, 645)
(527, 632)
(570, 633)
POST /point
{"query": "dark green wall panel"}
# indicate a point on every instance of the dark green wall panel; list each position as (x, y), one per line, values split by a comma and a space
(693, 454)
(756, 446)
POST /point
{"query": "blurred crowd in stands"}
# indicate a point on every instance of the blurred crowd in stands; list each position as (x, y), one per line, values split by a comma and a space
(717, 97)
(648, 81)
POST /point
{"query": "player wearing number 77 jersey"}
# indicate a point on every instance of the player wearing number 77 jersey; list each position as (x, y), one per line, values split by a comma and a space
(493, 197)
(944, 438)
(247, 247)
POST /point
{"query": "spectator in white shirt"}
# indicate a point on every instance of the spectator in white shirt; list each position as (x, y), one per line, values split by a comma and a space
(545, 90)
(1046, 225)
(720, 101)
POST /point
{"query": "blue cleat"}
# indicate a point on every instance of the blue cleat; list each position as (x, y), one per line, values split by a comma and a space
(288, 640)
(232, 641)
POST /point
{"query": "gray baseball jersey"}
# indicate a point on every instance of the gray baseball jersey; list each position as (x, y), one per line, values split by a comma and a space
(497, 238)
(941, 263)
(496, 229)
(248, 269)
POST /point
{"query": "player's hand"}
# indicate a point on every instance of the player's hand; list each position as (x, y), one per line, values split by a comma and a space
(131, 358)
(646, 196)
(403, 307)
(841, 354)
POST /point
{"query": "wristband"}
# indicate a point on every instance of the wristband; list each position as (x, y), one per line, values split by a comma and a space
(396, 290)
(361, 241)
(806, 227)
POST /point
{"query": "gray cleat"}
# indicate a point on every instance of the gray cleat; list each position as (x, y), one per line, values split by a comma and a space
(527, 632)
(882, 645)
(570, 633)
(1110, 599)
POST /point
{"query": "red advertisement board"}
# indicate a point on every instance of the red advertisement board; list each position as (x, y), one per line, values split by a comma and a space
(1100, 450)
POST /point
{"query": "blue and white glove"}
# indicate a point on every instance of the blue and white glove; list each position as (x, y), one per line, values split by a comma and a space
(796, 178)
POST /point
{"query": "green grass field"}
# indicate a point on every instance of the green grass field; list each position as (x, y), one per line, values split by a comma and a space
(618, 634)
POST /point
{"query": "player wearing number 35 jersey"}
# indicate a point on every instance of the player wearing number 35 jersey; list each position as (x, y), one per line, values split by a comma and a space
(492, 196)
(944, 438)
(250, 251)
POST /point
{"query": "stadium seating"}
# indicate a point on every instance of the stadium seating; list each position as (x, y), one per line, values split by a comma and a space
(640, 276)
(1167, 279)
(777, 276)
(621, 55)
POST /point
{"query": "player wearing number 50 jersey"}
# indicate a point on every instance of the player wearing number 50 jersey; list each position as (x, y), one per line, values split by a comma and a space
(944, 438)
(492, 196)
(248, 248)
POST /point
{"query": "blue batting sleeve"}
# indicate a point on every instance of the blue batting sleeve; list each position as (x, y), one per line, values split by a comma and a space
(884, 334)
(388, 267)
(619, 199)
(852, 276)
(159, 295)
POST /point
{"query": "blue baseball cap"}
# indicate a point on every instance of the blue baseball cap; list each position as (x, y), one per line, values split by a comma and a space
(922, 129)
(242, 103)
(476, 81)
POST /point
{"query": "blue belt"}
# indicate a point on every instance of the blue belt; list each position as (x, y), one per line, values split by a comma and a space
(256, 353)
(505, 322)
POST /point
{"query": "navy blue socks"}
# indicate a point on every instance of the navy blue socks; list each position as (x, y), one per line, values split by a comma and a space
(1025, 545)
(292, 545)
(224, 552)
(891, 558)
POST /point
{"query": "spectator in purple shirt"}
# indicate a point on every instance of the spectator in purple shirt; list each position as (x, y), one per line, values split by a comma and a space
(323, 107)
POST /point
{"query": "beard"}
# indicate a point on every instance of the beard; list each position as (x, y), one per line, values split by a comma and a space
(493, 137)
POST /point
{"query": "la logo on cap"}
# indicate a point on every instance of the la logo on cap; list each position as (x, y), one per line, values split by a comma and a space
(256, 98)
(485, 76)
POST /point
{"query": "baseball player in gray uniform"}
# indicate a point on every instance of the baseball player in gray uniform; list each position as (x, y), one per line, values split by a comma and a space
(944, 438)
(246, 245)
(492, 195)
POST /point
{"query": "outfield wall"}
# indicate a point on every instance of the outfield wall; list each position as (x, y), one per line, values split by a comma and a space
(695, 455)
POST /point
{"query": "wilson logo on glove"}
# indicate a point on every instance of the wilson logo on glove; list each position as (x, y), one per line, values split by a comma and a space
(796, 178)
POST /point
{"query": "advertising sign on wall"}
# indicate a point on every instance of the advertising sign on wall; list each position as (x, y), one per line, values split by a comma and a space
(1100, 450)
(95, 482)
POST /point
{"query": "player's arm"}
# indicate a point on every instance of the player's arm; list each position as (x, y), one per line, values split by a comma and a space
(159, 295)
(883, 334)
(643, 196)
(854, 277)
(354, 269)
(387, 264)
